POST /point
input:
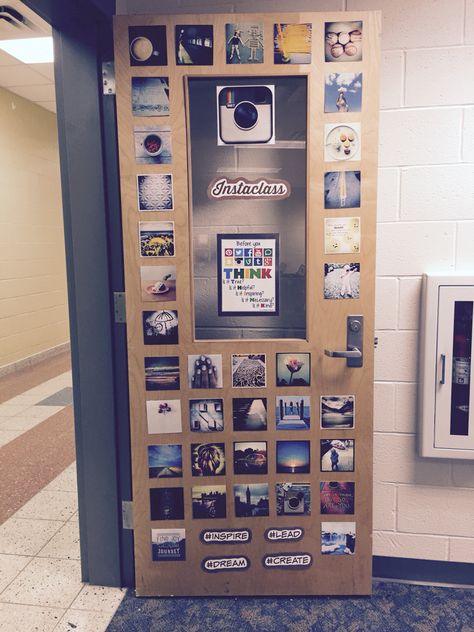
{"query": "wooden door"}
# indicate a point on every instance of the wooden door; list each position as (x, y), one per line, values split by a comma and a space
(251, 452)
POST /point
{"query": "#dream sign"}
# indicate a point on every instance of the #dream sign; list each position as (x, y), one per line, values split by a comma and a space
(248, 274)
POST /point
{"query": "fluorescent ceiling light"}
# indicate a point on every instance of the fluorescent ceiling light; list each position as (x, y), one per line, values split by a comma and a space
(31, 50)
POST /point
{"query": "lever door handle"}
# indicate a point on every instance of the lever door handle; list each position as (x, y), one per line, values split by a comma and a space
(353, 352)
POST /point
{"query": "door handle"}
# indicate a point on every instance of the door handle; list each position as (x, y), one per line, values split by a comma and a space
(354, 352)
(443, 369)
(354, 343)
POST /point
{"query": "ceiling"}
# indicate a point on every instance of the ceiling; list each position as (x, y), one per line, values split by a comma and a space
(34, 82)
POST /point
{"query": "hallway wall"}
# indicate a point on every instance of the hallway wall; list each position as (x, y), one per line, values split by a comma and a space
(423, 508)
(33, 300)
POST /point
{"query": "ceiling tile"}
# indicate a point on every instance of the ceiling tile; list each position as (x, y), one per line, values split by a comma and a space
(47, 70)
(48, 105)
(7, 60)
(20, 75)
(35, 93)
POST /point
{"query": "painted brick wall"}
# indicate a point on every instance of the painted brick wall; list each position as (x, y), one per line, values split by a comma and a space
(423, 508)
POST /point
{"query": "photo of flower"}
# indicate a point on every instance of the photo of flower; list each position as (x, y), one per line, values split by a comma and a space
(293, 369)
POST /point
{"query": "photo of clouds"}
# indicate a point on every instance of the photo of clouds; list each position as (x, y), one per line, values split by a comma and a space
(343, 92)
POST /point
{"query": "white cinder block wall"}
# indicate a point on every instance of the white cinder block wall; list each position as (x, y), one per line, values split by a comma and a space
(423, 508)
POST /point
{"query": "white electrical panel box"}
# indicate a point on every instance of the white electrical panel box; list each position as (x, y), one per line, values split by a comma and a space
(446, 396)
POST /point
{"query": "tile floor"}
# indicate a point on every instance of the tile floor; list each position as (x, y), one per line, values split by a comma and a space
(40, 578)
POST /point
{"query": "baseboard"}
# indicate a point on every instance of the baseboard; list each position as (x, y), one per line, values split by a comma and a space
(432, 571)
(24, 363)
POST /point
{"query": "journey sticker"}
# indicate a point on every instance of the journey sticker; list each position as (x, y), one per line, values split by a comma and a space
(287, 560)
(247, 271)
(225, 536)
(228, 563)
(168, 544)
(341, 235)
(286, 534)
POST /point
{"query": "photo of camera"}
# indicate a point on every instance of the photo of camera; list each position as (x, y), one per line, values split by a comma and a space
(245, 115)
(293, 502)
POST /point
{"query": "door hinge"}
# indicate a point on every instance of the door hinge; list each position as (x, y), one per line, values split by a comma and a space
(119, 307)
(127, 514)
(108, 77)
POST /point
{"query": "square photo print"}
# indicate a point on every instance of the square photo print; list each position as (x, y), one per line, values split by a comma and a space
(161, 327)
(293, 457)
(337, 411)
(209, 501)
(165, 461)
(341, 235)
(292, 43)
(155, 192)
(152, 144)
(342, 142)
(293, 412)
(163, 416)
(249, 413)
(342, 189)
(250, 457)
(205, 371)
(343, 92)
(337, 455)
(293, 499)
(251, 500)
(293, 369)
(337, 497)
(168, 544)
(156, 239)
(249, 370)
(206, 415)
(343, 41)
(150, 96)
(162, 373)
(147, 45)
(244, 43)
(208, 459)
(158, 283)
(166, 503)
(194, 44)
(341, 280)
(338, 538)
